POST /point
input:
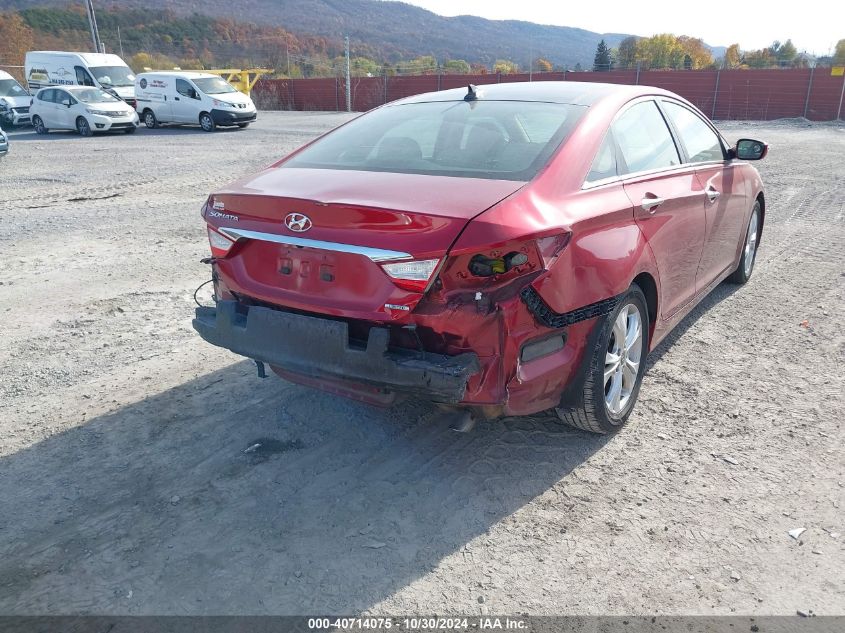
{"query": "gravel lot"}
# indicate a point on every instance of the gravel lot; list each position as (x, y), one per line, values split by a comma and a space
(127, 486)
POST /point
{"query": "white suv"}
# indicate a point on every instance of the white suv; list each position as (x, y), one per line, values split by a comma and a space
(81, 108)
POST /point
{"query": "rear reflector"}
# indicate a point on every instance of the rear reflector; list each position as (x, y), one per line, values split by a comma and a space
(413, 275)
(538, 349)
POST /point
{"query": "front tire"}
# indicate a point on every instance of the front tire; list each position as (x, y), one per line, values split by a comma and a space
(615, 370)
(130, 130)
(39, 126)
(83, 127)
(749, 248)
(207, 123)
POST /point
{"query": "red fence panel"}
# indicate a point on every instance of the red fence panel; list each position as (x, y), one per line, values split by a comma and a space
(721, 94)
(826, 96)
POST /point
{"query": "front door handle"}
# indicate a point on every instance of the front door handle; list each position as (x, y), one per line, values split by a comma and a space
(651, 202)
(712, 194)
(177, 98)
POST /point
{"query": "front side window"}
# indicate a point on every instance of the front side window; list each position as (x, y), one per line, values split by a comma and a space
(48, 96)
(701, 142)
(82, 77)
(185, 89)
(644, 139)
(63, 98)
(214, 85)
(506, 140)
(113, 76)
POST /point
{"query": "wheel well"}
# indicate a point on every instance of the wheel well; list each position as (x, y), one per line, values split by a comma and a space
(649, 287)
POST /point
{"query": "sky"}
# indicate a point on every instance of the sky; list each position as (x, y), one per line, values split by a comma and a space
(751, 23)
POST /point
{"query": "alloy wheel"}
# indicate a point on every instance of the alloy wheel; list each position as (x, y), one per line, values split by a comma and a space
(751, 243)
(622, 360)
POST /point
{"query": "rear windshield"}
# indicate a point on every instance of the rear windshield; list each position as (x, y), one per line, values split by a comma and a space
(502, 140)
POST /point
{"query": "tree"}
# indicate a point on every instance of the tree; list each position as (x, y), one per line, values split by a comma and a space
(759, 59)
(602, 60)
(456, 67)
(626, 54)
(15, 41)
(697, 50)
(543, 65)
(839, 55)
(733, 56)
(505, 66)
(785, 52)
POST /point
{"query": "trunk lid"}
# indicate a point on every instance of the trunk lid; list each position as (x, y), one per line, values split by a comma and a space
(334, 266)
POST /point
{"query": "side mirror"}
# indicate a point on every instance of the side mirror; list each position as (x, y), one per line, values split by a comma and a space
(66, 103)
(749, 149)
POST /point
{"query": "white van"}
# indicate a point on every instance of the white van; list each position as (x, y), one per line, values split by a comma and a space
(183, 97)
(100, 70)
(14, 101)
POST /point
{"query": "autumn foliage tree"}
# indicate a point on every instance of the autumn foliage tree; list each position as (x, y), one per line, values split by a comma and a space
(15, 40)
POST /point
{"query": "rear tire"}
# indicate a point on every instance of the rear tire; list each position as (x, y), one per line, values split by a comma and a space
(207, 123)
(83, 127)
(615, 370)
(39, 126)
(749, 248)
(150, 119)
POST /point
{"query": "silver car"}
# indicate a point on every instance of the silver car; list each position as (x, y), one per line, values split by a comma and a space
(4, 144)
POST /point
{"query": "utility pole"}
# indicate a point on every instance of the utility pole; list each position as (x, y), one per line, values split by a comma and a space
(120, 41)
(287, 45)
(348, 78)
(92, 22)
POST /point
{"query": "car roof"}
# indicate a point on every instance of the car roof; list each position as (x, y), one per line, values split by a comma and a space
(191, 74)
(583, 93)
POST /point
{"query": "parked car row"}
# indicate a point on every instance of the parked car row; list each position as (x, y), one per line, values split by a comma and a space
(93, 92)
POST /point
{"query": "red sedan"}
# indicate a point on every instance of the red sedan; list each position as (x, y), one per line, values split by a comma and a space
(502, 250)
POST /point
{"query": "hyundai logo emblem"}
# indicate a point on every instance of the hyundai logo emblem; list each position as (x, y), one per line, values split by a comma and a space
(297, 222)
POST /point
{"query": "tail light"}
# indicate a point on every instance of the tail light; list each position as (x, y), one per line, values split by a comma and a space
(490, 267)
(414, 275)
(220, 244)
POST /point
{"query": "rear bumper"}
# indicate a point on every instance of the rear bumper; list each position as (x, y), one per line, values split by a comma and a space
(320, 348)
(229, 117)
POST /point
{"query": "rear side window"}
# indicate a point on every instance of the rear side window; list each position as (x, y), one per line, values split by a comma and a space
(505, 140)
(644, 139)
(701, 142)
(604, 165)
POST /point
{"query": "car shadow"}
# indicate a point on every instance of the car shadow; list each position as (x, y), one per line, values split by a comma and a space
(231, 495)
(721, 292)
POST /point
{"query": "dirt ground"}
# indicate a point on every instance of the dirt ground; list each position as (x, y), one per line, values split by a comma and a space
(130, 482)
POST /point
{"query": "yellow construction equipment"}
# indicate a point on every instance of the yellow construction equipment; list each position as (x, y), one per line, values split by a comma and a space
(243, 80)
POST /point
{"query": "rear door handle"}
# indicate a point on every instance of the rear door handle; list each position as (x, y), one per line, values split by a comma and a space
(712, 194)
(651, 202)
